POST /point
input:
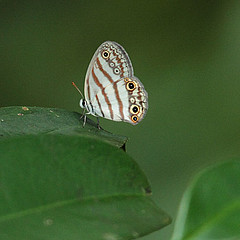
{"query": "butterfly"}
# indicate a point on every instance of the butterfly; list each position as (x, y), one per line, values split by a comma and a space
(111, 90)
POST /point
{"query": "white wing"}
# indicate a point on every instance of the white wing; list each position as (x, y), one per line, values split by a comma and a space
(105, 70)
(111, 88)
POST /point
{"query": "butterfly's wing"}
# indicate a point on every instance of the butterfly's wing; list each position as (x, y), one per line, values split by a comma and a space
(127, 101)
(111, 88)
(109, 63)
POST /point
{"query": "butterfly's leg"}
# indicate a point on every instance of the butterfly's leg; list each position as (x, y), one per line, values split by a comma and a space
(84, 117)
(84, 120)
(83, 114)
(98, 124)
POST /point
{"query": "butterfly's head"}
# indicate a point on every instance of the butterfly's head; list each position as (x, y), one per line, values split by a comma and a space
(82, 103)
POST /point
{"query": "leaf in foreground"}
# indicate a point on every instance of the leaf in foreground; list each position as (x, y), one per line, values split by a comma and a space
(69, 187)
(16, 121)
(210, 208)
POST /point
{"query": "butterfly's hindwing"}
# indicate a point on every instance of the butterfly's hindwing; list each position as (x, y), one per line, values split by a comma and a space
(124, 104)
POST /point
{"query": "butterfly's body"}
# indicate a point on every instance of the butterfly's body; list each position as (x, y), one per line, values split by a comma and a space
(111, 89)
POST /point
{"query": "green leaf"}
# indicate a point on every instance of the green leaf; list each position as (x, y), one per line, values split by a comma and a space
(72, 187)
(15, 121)
(210, 208)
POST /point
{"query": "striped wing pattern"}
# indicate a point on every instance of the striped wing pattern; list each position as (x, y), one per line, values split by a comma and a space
(111, 88)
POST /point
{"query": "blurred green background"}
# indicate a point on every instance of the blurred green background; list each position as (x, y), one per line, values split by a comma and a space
(186, 53)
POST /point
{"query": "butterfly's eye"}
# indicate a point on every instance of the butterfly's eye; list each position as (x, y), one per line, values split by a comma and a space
(116, 70)
(134, 118)
(131, 86)
(134, 109)
(105, 54)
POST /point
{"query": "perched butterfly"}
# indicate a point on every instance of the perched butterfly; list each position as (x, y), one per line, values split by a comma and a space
(111, 90)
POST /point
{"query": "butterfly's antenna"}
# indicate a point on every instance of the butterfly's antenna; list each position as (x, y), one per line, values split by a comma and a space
(73, 83)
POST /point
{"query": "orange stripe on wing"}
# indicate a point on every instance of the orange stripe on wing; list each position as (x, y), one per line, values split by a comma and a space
(99, 104)
(114, 86)
(104, 72)
(88, 88)
(118, 99)
(103, 93)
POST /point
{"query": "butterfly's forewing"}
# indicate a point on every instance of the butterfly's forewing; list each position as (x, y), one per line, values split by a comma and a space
(109, 63)
(111, 88)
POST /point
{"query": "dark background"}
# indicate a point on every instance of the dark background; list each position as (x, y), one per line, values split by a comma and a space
(186, 53)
